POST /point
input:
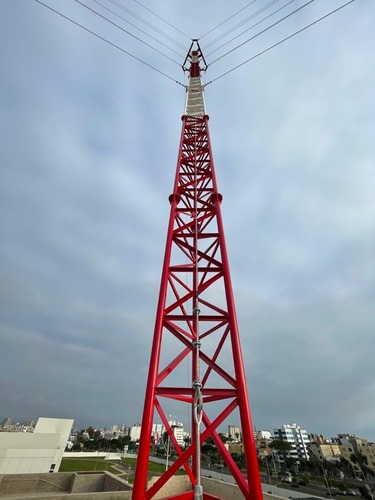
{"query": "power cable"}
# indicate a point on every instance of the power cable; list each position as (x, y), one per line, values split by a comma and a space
(263, 31)
(125, 31)
(281, 41)
(110, 43)
(136, 27)
(166, 22)
(114, 2)
(244, 21)
(227, 19)
(248, 29)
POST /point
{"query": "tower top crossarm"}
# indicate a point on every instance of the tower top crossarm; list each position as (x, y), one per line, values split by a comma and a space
(194, 105)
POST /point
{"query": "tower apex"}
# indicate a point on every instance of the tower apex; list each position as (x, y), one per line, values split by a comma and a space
(195, 56)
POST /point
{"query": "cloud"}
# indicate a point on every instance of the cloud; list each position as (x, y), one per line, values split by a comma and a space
(89, 147)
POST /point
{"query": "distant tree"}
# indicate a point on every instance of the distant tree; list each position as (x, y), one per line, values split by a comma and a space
(187, 441)
(291, 464)
(123, 441)
(132, 445)
(223, 437)
(346, 467)
(208, 447)
(361, 461)
(342, 485)
(90, 431)
(239, 458)
(364, 491)
(282, 447)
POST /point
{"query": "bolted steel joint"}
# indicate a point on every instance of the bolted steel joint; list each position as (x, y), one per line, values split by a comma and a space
(197, 343)
(196, 310)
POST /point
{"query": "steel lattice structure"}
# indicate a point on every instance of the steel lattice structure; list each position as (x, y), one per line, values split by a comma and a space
(196, 308)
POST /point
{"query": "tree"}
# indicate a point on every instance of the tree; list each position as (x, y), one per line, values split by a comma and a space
(282, 447)
(364, 491)
(361, 461)
(90, 431)
(223, 437)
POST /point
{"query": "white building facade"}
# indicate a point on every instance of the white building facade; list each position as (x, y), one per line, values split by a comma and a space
(234, 433)
(297, 438)
(135, 432)
(40, 451)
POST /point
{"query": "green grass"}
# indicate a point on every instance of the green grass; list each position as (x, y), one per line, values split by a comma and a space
(86, 464)
(152, 466)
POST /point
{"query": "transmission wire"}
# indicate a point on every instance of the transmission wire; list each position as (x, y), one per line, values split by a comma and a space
(159, 17)
(248, 29)
(110, 43)
(263, 31)
(125, 31)
(228, 18)
(150, 25)
(281, 41)
(136, 27)
(256, 13)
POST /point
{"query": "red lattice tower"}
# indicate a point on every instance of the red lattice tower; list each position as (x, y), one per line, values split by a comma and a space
(196, 309)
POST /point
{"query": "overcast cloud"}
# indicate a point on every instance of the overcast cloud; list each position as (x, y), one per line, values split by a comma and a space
(89, 141)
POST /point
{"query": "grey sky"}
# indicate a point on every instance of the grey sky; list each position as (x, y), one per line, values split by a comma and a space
(89, 141)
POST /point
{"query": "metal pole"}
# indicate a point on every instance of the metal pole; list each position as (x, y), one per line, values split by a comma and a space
(198, 400)
(269, 475)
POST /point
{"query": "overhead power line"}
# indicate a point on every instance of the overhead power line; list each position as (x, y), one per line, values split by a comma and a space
(136, 27)
(281, 41)
(226, 20)
(162, 19)
(263, 31)
(125, 31)
(241, 23)
(109, 42)
(147, 23)
(251, 27)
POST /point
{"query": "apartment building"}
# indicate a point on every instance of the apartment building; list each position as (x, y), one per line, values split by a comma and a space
(298, 439)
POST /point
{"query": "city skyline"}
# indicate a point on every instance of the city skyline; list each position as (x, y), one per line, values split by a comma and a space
(89, 146)
(123, 427)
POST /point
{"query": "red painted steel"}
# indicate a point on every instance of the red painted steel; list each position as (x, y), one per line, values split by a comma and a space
(196, 271)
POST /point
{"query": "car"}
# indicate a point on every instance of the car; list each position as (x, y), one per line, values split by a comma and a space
(350, 493)
(301, 482)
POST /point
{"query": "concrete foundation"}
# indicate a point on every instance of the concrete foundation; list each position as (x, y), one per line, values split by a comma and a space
(176, 485)
(76, 485)
(106, 486)
(219, 489)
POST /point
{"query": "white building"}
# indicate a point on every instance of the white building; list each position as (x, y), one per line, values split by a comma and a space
(178, 432)
(157, 431)
(234, 433)
(264, 435)
(298, 439)
(40, 451)
(135, 432)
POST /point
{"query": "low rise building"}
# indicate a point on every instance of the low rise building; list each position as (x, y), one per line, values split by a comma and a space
(351, 444)
(325, 451)
(39, 452)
